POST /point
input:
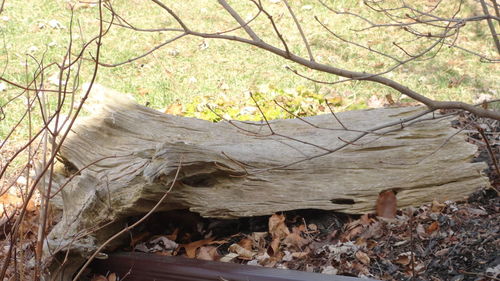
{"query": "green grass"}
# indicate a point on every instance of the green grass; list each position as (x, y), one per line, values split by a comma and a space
(182, 70)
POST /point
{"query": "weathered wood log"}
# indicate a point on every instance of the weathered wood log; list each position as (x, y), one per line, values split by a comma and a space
(226, 173)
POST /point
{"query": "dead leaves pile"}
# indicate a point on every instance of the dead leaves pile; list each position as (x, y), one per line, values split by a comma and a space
(257, 248)
(439, 241)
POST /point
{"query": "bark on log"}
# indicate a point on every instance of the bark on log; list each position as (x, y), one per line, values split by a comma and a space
(425, 161)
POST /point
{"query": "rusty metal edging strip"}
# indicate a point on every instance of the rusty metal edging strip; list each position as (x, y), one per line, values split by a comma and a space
(145, 267)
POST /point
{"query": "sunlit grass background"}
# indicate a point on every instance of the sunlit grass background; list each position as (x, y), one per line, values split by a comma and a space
(193, 70)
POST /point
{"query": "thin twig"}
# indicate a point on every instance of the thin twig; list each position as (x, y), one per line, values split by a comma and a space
(299, 27)
(493, 32)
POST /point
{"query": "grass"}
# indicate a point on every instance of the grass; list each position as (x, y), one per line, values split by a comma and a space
(183, 70)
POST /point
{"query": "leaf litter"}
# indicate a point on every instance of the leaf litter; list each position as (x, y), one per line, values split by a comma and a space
(438, 241)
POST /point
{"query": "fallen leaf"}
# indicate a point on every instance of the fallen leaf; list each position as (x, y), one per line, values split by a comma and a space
(386, 204)
(442, 252)
(193, 246)
(477, 212)
(273, 247)
(208, 253)
(375, 230)
(229, 257)
(277, 227)
(352, 233)
(164, 243)
(312, 228)
(287, 257)
(295, 238)
(363, 257)
(243, 253)
(329, 270)
(365, 220)
(433, 227)
(299, 255)
(421, 232)
(246, 243)
(437, 207)
(259, 238)
(403, 260)
(174, 109)
(112, 277)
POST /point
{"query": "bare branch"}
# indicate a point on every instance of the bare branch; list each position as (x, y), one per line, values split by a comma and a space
(237, 17)
(144, 54)
(491, 26)
(299, 27)
(276, 30)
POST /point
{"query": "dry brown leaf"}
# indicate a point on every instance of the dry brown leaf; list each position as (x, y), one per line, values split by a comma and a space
(386, 204)
(433, 227)
(352, 234)
(299, 255)
(162, 241)
(375, 231)
(404, 260)
(277, 227)
(312, 228)
(243, 253)
(296, 240)
(421, 232)
(259, 239)
(246, 243)
(174, 109)
(112, 277)
(208, 253)
(360, 242)
(229, 257)
(363, 257)
(193, 246)
(365, 220)
(437, 207)
(274, 247)
(299, 229)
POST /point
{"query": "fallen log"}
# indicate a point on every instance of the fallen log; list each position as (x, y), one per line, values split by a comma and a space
(228, 172)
